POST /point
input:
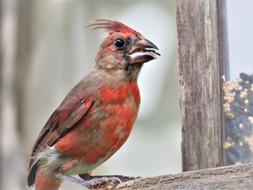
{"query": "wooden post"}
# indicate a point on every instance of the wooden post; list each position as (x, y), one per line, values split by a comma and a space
(200, 83)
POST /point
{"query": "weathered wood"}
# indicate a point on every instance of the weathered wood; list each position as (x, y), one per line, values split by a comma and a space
(199, 84)
(226, 178)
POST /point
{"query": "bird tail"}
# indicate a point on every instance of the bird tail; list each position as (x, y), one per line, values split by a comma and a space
(40, 179)
(32, 174)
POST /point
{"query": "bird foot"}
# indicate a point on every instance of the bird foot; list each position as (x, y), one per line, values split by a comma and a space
(101, 182)
(121, 177)
(97, 182)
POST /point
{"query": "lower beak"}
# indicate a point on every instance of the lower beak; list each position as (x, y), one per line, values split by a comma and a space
(143, 51)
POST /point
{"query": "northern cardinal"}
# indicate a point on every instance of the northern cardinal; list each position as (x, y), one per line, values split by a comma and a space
(97, 115)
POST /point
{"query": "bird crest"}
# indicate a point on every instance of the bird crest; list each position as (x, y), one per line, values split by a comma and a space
(111, 26)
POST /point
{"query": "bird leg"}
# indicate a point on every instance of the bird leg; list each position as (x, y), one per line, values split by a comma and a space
(69, 178)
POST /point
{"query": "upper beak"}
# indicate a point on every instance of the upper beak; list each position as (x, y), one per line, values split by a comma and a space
(144, 43)
(143, 51)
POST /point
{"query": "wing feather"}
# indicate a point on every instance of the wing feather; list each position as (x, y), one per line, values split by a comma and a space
(61, 121)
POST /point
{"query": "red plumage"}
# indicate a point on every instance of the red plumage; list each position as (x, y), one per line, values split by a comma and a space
(97, 115)
(112, 26)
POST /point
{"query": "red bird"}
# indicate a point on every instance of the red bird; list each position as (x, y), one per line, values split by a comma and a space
(97, 115)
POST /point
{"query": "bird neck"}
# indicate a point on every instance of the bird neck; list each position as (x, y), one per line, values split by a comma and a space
(129, 73)
(132, 71)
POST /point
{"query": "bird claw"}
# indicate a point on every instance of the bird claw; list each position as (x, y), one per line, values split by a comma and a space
(99, 182)
(96, 182)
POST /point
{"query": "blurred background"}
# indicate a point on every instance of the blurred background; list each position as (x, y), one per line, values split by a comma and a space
(45, 49)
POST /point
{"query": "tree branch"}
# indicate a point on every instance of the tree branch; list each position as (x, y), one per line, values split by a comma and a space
(229, 177)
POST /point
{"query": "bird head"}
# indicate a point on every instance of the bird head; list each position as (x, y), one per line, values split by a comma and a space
(123, 48)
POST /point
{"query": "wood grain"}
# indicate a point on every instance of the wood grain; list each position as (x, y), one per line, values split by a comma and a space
(199, 84)
(225, 178)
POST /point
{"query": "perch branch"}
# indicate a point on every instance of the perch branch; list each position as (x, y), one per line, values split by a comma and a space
(229, 178)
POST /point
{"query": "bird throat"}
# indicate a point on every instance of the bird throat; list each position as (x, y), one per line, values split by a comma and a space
(132, 71)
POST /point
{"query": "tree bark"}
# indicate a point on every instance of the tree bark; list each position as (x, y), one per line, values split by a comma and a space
(229, 178)
(199, 84)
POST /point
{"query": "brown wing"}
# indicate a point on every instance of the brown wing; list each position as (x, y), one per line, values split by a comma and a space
(61, 121)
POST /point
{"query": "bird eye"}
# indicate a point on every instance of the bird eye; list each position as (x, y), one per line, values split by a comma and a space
(119, 43)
